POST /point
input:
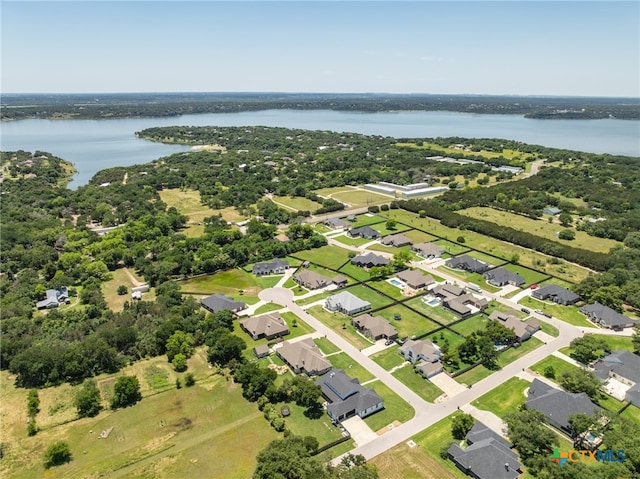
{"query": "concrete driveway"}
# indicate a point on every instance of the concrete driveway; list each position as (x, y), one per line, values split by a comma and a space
(448, 385)
(360, 432)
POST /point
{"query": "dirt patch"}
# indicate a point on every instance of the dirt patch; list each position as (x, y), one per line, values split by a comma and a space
(279, 369)
(184, 423)
(388, 428)
(404, 462)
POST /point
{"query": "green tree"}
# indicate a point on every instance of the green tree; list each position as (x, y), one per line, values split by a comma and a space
(581, 380)
(549, 372)
(189, 380)
(57, 454)
(126, 392)
(567, 235)
(87, 400)
(565, 219)
(288, 458)
(122, 290)
(587, 348)
(461, 424)
(179, 362)
(179, 343)
(391, 224)
(224, 347)
(33, 403)
(527, 431)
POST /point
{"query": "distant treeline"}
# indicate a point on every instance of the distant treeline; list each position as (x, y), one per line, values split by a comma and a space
(96, 106)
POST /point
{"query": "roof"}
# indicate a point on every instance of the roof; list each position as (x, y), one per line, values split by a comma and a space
(428, 249)
(397, 239)
(340, 279)
(304, 355)
(269, 324)
(311, 279)
(364, 231)
(346, 394)
(551, 211)
(415, 278)
(622, 363)
(422, 347)
(261, 350)
(501, 276)
(556, 404)
(448, 290)
(336, 223)
(468, 263)
(219, 302)
(558, 291)
(347, 301)
(269, 266)
(605, 314)
(370, 259)
(377, 325)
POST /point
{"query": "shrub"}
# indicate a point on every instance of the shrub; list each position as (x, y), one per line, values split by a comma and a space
(189, 380)
(122, 290)
(57, 454)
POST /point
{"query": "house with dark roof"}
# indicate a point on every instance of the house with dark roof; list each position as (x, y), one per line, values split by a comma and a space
(336, 223)
(416, 279)
(624, 367)
(220, 302)
(340, 281)
(487, 455)
(303, 357)
(555, 293)
(420, 350)
(607, 317)
(369, 260)
(502, 277)
(54, 298)
(374, 327)
(458, 300)
(398, 240)
(346, 303)
(428, 250)
(347, 397)
(261, 351)
(277, 266)
(522, 329)
(467, 263)
(363, 232)
(311, 279)
(269, 325)
(557, 404)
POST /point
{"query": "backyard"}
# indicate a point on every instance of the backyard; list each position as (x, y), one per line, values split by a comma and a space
(505, 398)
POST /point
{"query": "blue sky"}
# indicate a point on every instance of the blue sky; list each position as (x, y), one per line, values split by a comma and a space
(505, 47)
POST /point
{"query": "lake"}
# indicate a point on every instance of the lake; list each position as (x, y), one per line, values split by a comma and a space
(93, 145)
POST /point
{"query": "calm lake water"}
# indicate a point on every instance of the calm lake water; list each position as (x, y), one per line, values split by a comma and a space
(93, 145)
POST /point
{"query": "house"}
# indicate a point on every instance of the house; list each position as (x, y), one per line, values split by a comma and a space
(487, 455)
(374, 327)
(458, 300)
(347, 397)
(397, 240)
(340, 281)
(277, 266)
(415, 279)
(501, 277)
(556, 293)
(351, 218)
(428, 369)
(467, 263)
(557, 405)
(54, 298)
(621, 367)
(363, 232)
(552, 211)
(311, 279)
(261, 351)
(346, 303)
(420, 350)
(522, 329)
(303, 356)
(220, 302)
(607, 317)
(369, 260)
(270, 325)
(336, 223)
(428, 250)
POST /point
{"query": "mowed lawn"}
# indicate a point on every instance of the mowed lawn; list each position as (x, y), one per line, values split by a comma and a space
(188, 203)
(365, 293)
(510, 355)
(352, 368)
(569, 314)
(331, 257)
(410, 322)
(341, 323)
(559, 366)
(530, 276)
(505, 398)
(395, 408)
(414, 381)
(357, 198)
(230, 282)
(388, 358)
(540, 228)
(404, 462)
(297, 203)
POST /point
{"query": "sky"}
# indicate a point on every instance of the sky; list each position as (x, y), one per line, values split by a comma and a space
(574, 48)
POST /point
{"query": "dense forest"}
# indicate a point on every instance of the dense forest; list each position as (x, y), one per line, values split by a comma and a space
(92, 106)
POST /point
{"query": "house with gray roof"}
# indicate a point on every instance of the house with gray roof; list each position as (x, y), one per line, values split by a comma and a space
(303, 357)
(487, 455)
(347, 397)
(374, 327)
(398, 240)
(428, 250)
(364, 232)
(369, 260)
(502, 277)
(54, 298)
(607, 317)
(269, 325)
(336, 223)
(458, 300)
(346, 303)
(552, 210)
(261, 351)
(420, 350)
(555, 293)
(416, 279)
(220, 302)
(624, 367)
(277, 266)
(311, 279)
(522, 329)
(429, 369)
(557, 404)
(467, 263)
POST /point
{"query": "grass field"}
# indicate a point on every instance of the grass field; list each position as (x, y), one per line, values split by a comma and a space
(632, 413)
(349, 241)
(549, 329)
(471, 325)
(389, 358)
(268, 307)
(384, 231)
(540, 227)
(328, 256)
(467, 276)
(404, 462)
(387, 288)
(530, 276)
(340, 323)
(414, 381)
(326, 346)
(297, 203)
(569, 314)
(410, 322)
(453, 249)
(474, 375)
(511, 354)
(352, 368)
(505, 398)
(111, 296)
(229, 282)
(438, 313)
(559, 366)
(376, 299)
(614, 343)
(357, 272)
(358, 198)
(506, 153)
(395, 408)
(417, 236)
(188, 203)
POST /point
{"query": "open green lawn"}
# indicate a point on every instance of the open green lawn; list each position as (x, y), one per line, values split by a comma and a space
(505, 153)
(352, 368)
(559, 366)
(349, 241)
(395, 408)
(340, 323)
(300, 425)
(616, 342)
(328, 192)
(268, 307)
(632, 413)
(388, 358)
(417, 236)
(393, 250)
(297, 203)
(188, 203)
(229, 282)
(530, 276)
(609, 403)
(384, 231)
(414, 381)
(326, 346)
(549, 329)
(296, 325)
(471, 325)
(505, 398)
(486, 258)
(511, 354)
(569, 314)
(454, 249)
(329, 256)
(410, 322)
(365, 293)
(387, 288)
(313, 298)
(353, 271)
(445, 334)
(358, 198)
(467, 276)
(474, 375)
(438, 313)
(496, 306)
(367, 219)
(541, 228)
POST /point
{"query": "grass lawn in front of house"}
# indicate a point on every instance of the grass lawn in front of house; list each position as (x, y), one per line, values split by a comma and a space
(530, 276)
(559, 366)
(326, 346)
(267, 308)
(569, 314)
(505, 398)
(497, 306)
(474, 375)
(508, 356)
(384, 231)
(367, 219)
(395, 408)
(419, 385)
(549, 329)
(410, 322)
(301, 425)
(632, 413)
(297, 326)
(340, 323)
(388, 358)
(352, 368)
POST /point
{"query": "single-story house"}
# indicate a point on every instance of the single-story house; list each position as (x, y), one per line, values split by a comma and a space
(54, 298)
(416, 279)
(261, 351)
(428, 250)
(458, 300)
(607, 317)
(220, 302)
(398, 240)
(557, 404)
(487, 455)
(420, 350)
(624, 367)
(428, 369)
(552, 210)
(346, 303)
(269, 325)
(555, 293)
(501, 277)
(336, 223)
(369, 260)
(375, 327)
(277, 266)
(467, 263)
(363, 232)
(311, 279)
(340, 281)
(347, 397)
(522, 329)
(304, 356)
